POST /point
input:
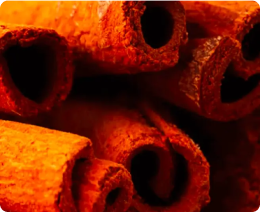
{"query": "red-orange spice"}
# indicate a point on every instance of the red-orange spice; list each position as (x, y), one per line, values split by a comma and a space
(233, 151)
(123, 136)
(40, 172)
(120, 133)
(203, 82)
(238, 19)
(101, 186)
(110, 37)
(195, 195)
(35, 70)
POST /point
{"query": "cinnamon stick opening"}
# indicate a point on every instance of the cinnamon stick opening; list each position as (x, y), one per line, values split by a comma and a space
(251, 43)
(101, 185)
(32, 69)
(157, 25)
(145, 167)
(234, 88)
(112, 196)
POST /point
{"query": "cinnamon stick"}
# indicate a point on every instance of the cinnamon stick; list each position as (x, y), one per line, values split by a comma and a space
(35, 70)
(159, 171)
(195, 195)
(203, 81)
(238, 19)
(110, 37)
(40, 172)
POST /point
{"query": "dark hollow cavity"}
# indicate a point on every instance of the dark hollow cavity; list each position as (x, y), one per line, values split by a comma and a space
(157, 26)
(195, 30)
(145, 166)
(112, 196)
(32, 70)
(251, 44)
(234, 88)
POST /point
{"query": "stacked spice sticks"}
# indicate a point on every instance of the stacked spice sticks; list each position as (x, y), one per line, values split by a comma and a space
(129, 106)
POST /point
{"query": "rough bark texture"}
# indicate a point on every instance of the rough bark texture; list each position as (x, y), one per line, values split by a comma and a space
(106, 35)
(238, 19)
(35, 69)
(36, 167)
(203, 82)
(119, 134)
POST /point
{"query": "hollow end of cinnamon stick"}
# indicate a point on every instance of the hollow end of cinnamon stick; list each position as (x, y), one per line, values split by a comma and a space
(120, 37)
(101, 186)
(191, 192)
(242, 23)
(36, 69)
(233, 96)
(160, 21)
(206, 81)
(148, 165)
(148, 38)
(122, 135)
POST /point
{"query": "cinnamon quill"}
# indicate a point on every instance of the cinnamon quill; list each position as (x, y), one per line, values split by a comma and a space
(238, 19)
(35, 70)
(203, 81)
(47, 170)
(159, 164)
(110, 37)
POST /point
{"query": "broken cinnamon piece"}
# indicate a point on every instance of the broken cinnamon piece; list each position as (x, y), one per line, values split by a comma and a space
(47, 170)
(203, 81)
(35, 69)
(110, 37)
(121, 134)
(238, 19)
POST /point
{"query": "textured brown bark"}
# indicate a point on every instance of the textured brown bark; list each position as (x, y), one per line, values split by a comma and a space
(203, 82)
(110, 37)
(120, 133)
(47, 170)
(238, 19)
(35, 70)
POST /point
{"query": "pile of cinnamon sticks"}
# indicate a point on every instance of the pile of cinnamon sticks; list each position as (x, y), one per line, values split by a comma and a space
(129, 106)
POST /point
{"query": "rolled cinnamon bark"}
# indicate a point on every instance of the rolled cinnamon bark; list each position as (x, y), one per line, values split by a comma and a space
(195, 195)
(35, 70)
(233, 151)
(40, 172)
(203, 81)
(121, 134)
(238, 19)
(110, 37)
(101, 186)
